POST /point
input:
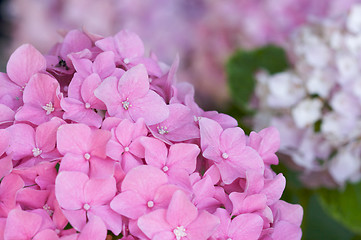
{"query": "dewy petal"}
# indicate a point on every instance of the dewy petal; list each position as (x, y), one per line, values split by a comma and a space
(69, 189)
(151, 107)
(23, 63)
(181, 211)
(134, 83)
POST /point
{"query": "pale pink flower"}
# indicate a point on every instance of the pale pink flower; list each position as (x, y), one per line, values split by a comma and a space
(130, 97)
(180, 219)
(227, 149)
(82, 198)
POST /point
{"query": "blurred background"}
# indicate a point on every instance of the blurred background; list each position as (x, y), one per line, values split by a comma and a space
(204, 33)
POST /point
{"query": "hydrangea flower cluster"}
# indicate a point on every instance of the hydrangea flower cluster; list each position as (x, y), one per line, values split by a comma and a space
(99, 141)
(316, 105)
(217, 29)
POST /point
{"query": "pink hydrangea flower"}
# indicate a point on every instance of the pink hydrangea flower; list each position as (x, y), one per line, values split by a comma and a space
(102, 147)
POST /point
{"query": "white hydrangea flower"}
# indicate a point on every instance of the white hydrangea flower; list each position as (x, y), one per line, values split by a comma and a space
(353, 22)
(317, 104)
(307, 112)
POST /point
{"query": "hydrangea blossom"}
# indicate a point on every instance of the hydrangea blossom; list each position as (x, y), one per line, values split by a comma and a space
(316, 104)
(92, 147)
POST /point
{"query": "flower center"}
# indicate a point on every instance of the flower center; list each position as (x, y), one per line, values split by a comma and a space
(86, 207)
(126, 104)
(87, 105)
(126, 60)
(150, 204)
(126, 149)
(87, 156)
(36, 152)
(47, 208)
(180, 232)
(225, 155)
(165, 169)
(49, 108)
(196, 119)
(162, 130)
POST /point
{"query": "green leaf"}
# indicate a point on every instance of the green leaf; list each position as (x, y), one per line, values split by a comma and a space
(242, 66)
(344, 206)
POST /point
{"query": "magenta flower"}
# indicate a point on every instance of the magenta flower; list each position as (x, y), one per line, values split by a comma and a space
(227, 149)
(130, 97)
(180, 219)
(82, 198)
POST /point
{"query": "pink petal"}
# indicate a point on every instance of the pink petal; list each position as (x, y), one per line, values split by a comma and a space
(232, 138)
(181, 212)
(99, 191)
(108, 93)
(69, 189)
(77, 218)
(7, 115)
(203, 227)
(155, 151)
(144, 180)
(70, 138)
(45, 135)
(286, 230)
(183, 155)
(74, 162)
(112, 220)
(104, 64)
(151, 107)
(46, 234)
(210, 132)
(87, 91)
(129, 44)
(75, 110)
(246, 227)
(154, 222)
(74, 41)
(22, 141)
(22, 225)
(273, 189)
(134, 83)
(6, 165)
(25, 62)
(95, 229)
(129, 204)
(40, 90)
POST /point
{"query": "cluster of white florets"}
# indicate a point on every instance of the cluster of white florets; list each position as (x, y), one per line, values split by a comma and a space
(317, 104)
